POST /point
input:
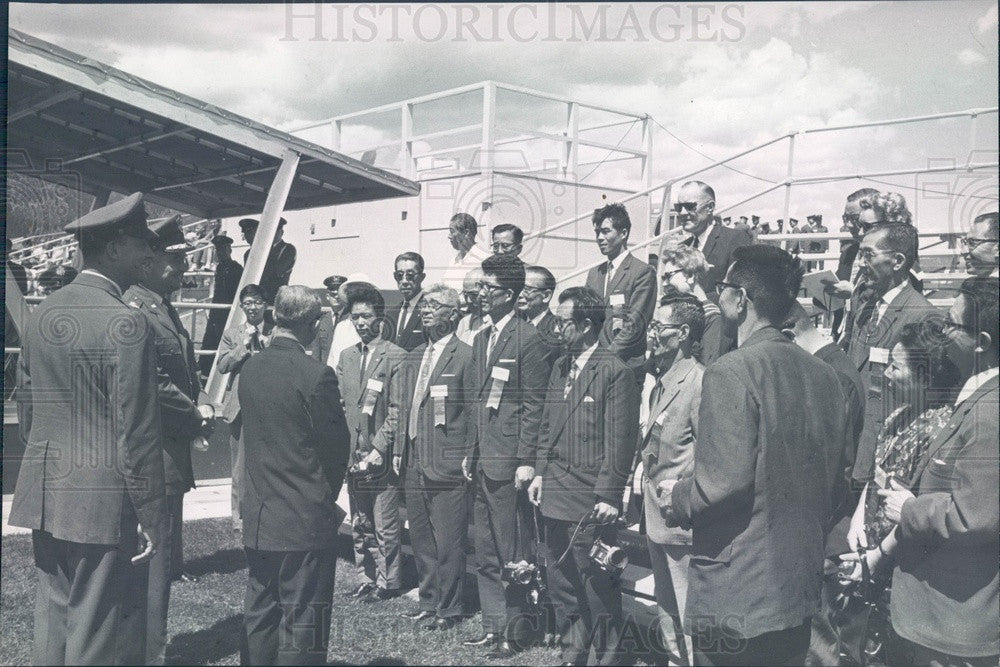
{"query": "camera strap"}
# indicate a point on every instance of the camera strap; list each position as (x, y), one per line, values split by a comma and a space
(576, 531)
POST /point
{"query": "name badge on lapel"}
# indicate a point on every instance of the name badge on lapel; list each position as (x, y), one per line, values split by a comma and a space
(439, 393)
(878, 355)
(372, 391)
(616, 300)
(500, 377)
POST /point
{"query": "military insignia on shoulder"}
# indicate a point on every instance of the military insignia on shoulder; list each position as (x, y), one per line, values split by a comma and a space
(135, 304)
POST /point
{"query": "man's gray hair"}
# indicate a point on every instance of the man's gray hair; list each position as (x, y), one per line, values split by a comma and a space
(446, 295)
(296, 306)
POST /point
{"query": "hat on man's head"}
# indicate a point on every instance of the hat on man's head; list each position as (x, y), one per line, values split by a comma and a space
(816, 217)
(795, 220)
(127, 216)
(170, 236)
(755, 218)
(220, 240)
(333, 283)
(249, 222)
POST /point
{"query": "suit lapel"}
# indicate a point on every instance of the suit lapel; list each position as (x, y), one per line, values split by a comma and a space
(501, 345)
(953, 424)
(578, 391)
(376, 352)
(442, 363)
(619, 276)
(712, 239)
(672, 381)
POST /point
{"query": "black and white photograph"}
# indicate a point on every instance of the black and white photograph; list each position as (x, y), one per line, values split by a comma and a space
(507, 333)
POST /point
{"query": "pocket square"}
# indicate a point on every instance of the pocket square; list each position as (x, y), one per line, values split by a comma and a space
(588, 399)
(447, 375)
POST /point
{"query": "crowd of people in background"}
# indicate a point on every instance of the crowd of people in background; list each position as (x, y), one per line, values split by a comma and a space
(806, 499)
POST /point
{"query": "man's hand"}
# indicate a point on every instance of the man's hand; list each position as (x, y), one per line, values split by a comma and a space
(535, 491)
(664, 490)
(465, 469)
(146, 544)
(842, 289)
(895, 497)
(374, 458)
(605, 513)
(523, 476)
(396, 462)
(207, 413)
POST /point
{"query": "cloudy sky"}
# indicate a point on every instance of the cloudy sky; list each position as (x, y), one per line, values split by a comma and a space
(719, 77)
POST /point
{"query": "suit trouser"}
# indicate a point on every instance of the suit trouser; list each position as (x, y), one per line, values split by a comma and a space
(505, 610)
(713, 646)
(669, 563)
(438, 517)
(90, 604)
(237, 469)
(289, 598)
(164, 564)
(587, 599)
(377, 530)
(210, 341)
(904, 653)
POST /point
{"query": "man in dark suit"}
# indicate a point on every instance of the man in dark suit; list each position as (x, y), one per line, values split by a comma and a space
(280, 258)
(239, 343)
(667, 442)
(320, 347)
(403, 320)
(507, 395)
(93, 465)
(880, 310)
(588, 437)
(760, 496)
(696, 214)
(297, 445)
(227, 279)
(435, 425)
(182, 418)
(627, 285)
(368, 373)
(946, 582)
(533, 306)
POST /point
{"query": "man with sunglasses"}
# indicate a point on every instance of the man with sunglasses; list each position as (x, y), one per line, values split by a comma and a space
(92, 472)
(695, 209)
(759, 499)
(886, 255)
(982, 246)
(509, 360)
(404, 319)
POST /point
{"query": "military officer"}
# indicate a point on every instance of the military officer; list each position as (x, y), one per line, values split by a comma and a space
(183, 419)
(227, 279)
(93, 468)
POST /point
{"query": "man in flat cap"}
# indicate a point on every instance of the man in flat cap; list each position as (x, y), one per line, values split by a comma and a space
(280, 258)
(182, 418)
(93, 468)
(331, 296)
(227, 279)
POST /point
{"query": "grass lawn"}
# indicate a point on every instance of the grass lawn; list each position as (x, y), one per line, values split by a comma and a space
(206, 616)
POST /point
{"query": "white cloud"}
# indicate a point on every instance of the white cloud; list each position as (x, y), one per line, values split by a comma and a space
(987, 20)
(970, 57)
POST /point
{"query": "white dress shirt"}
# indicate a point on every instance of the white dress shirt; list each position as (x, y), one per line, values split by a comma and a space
(974, 383)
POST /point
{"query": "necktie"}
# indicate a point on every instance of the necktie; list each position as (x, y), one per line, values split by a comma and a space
(695, 242)
(364, 361)
(402, 318)
(255, 345)
(655, 396)
(423, 379)
(570, 378)
(494, 332)
(607, 279)
(174, 317)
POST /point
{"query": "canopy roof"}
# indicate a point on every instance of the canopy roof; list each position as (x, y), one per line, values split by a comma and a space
(86, 125)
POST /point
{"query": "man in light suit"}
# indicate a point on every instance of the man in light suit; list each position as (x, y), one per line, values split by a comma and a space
(297, 445)
(761, 492)
(93, 467)
(946, 584)
(507, 395)
(589, 431)
(368, 372)
(404, 319)
(628, 286)
(667, 441)
(182, 418)
(880, 311)
(696, 214)
(239, 343)
(533, 306)
(435, 425)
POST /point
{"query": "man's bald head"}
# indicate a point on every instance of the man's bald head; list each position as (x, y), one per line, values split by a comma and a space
(472, 279)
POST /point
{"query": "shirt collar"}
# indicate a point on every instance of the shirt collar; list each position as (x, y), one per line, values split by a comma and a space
(584, 357)
(439, 345)
(613, 264)
(704, 236)
(95, 272)
(416, 299)
(974, 383)
(504, 320)
(538, 318)
(893, 293)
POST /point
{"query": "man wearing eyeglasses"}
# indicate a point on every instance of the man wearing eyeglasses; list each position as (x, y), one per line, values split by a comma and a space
(533, 307)
(981, 246)
(507, 395)
(627, 285)
(886, 254)
(474, 320)
(695, 209)
(404, 319)
(507, 239)
(239, 343)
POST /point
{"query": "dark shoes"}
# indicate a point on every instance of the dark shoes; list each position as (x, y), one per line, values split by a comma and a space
(441, 624)
(361, 590)
(381, 594)
(419, 615)
(498, 647)
(502, 650)
(486, 639)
